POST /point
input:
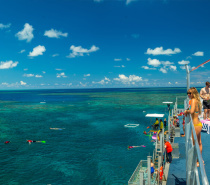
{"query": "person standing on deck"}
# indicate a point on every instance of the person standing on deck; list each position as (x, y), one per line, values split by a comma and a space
(195, 110)
(165, 122)
(161, 124)
(169, 149)
(205, 95)
(156, 124)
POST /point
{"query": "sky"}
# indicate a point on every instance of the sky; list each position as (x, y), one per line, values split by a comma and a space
(103, 43)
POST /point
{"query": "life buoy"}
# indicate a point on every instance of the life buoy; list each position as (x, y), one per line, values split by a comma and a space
(161, 172)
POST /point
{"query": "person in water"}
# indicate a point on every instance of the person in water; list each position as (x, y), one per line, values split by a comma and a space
(129, 147)
(145, 132)
(32, 141)
(195, 110)
(6, 142)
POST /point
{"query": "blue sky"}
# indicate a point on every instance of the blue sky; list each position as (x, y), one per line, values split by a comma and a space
(103, 43)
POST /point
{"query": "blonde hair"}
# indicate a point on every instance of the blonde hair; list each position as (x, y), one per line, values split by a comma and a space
(195, 94)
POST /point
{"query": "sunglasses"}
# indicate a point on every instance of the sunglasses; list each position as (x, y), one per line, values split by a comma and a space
(189, 93)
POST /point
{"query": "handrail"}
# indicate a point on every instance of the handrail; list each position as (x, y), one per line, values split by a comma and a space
(193, 154)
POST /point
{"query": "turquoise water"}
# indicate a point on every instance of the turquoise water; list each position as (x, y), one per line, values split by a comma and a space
(92, 149)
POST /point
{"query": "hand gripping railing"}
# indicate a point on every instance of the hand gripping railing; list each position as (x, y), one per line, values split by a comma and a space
(193, 155)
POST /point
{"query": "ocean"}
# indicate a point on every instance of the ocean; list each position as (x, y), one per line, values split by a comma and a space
(92, 147)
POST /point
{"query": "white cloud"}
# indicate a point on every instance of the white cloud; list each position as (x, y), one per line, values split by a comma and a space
(127, 80)
(169, 83)
(38, 76)
(176, 82)
(173, 68)
(86, 75)
(199, 53)
(25, 69)
(117, 59)
(55, 34)
(39, 50)
(129, 1)
(3, 26)
(85, 84)
(5, 83)
(98, 1)
(183, 62)
(61, 75)
(55, 55)
(79, 51)
(103, 81)
(8, 64)
(153, 62)
(26, 33)
(43, 72)
(161, 51)
(147, 68)
(106, 79)
(120, 66)
(58, 69)
(163, 70)
(128, 59)
(28, 75)
(167, 63)
(22, 83)
(22, 51)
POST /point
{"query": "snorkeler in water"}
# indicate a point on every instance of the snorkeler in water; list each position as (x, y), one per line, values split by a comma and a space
(6, 142)
(32, 141)
(57, 128)
(129, 147)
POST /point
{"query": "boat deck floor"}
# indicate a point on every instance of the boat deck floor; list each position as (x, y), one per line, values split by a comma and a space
(177, 170)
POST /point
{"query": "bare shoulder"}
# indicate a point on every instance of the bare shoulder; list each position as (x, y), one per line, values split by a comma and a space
(194, 101)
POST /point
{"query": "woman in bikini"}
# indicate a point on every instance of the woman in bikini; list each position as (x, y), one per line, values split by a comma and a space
(195, 110)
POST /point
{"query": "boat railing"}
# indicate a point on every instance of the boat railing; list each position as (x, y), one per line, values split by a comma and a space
(193, 155)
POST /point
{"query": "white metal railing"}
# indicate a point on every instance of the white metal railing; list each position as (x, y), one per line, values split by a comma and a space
(193, 155)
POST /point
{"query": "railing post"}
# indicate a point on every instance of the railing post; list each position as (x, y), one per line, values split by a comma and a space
(149, 169)
(141, 176)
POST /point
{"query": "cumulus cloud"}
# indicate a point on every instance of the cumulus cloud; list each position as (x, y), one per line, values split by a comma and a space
(167, 63)
(161, 51)
(22, 51)
(55, 34)
(169, 83)
(3, 26)
(199, 53)
(117, 59)
(39, 50)
(26, 33)
(103, 81)
(128, 59)
(147, 68)
(173, 68)
(38, 76)
(98, 1)
(79, 51)
(8, 64)
(127, 80)
(183, 62)
(86, 75)
(59, 75)
(120, 66)
(163, 70)
(28, 75)
(22, 83)
(153, 62)
(55, 55)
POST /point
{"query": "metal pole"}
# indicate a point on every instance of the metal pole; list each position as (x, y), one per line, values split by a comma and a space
(188, 76)
(141, 174)
(149, 169)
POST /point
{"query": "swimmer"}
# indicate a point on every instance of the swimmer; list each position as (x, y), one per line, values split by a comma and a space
(6, 142)
(145, 132)
(129, 147)
(57, 128)
(32, 141)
